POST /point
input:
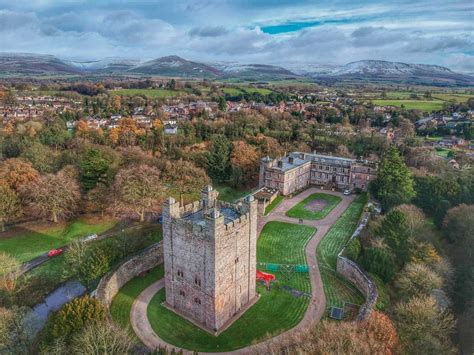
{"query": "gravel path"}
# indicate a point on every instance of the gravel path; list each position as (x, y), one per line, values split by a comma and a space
(315, 310)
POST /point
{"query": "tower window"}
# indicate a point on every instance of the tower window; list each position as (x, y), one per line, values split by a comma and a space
(197, 300)
(180, 273)
(197, 281)
(182, 293)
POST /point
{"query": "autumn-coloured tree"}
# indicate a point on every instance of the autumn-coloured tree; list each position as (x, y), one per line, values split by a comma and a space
(52, 195)
(114, 135)
(17, 173)
(423, 327)
(417, 280)
(185, 177)
(97, 199)
(82, 129)
(137, 190)
(9, 205)
(245, 159)
(376, 335)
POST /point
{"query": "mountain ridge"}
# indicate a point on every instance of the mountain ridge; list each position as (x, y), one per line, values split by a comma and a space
(380, 71)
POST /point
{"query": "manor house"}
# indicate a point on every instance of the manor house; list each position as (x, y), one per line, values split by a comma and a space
(210, 250)
(299, 170)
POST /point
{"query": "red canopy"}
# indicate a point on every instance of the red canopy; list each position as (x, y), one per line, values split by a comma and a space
(263, 276)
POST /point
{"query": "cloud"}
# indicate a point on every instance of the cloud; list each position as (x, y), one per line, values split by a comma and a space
(208, 31)
(338, 31)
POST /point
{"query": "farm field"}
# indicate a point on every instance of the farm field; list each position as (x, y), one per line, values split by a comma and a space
(455, 97)
(336, 289)
(277, 310)
(273, 204)
(421, 105)
(245, 89)
(301, 210)
(29, 243)
(151, 93)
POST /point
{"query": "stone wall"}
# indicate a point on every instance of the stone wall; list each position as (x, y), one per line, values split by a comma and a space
(113, 281)
(357, 276)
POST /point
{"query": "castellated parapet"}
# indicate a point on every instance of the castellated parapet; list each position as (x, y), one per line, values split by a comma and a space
(210, 259)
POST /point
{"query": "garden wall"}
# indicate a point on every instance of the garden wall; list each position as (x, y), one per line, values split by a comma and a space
(357, 276)
(113, 281)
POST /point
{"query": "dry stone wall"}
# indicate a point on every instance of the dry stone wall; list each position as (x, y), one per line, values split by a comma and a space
(357, 276)
(112, 282)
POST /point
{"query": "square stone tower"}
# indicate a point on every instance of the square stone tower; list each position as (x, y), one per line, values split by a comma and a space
(210, 259)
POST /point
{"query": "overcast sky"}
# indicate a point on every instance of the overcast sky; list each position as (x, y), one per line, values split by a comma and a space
(259, 31)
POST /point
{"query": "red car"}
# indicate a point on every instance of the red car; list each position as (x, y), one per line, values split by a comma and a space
(54, 252)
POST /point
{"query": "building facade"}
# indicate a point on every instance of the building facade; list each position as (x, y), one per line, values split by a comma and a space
(299, 170)
(210, 259)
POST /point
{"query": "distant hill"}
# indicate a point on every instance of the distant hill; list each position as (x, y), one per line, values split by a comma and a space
(365, 71)
(394, 72)
(254, 71)
(175, 66)
(34, 64)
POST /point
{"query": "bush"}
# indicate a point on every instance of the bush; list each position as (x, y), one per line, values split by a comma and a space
(72, 317)
(378, 261)
(88, 263)
(353, 249)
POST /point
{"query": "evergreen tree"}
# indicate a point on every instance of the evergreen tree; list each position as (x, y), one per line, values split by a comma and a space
(94, 169)
(218, 159)
(394, 183)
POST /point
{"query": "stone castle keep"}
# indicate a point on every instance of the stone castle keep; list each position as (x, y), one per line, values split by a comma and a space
(210, 259)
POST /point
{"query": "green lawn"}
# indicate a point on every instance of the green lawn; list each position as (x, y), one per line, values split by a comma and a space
(229, 194)
(299, 210)
(442, 152)
(273, 204)
(336, 289)
(29, 243)
(421, 105)
(122, 303)
(152, 93)
(275, 311)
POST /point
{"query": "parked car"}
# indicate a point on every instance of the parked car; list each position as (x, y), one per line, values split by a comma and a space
(54, 252)
(347, 192)
(90, 237)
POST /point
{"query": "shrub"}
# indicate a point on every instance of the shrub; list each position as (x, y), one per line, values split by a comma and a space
(88, 263)
(73, 316)
(378, 261)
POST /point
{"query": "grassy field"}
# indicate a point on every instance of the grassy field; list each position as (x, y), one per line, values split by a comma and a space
(336, 289)
(442, 152)
(277, 310)
(122, 303)
(273, 204)
(458, 98)
(245, 89)
(229, 194)
(299, 210)
(30, 243)
(421, 105)
(152, 93)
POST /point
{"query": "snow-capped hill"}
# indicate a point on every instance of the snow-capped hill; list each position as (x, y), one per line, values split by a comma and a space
(379, 67)
(175, 66)
(112, 63)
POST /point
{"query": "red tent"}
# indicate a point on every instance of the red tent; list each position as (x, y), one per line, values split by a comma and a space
(266, 277)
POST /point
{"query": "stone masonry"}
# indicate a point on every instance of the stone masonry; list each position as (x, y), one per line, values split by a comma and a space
(298, 171)
(210, 259)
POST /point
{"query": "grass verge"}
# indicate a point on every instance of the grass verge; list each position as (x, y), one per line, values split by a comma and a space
(273, 204)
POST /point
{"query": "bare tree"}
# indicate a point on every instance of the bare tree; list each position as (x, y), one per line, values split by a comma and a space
(137, 190)
(52, 195)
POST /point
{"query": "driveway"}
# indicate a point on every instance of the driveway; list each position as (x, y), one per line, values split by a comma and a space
(316, 307)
